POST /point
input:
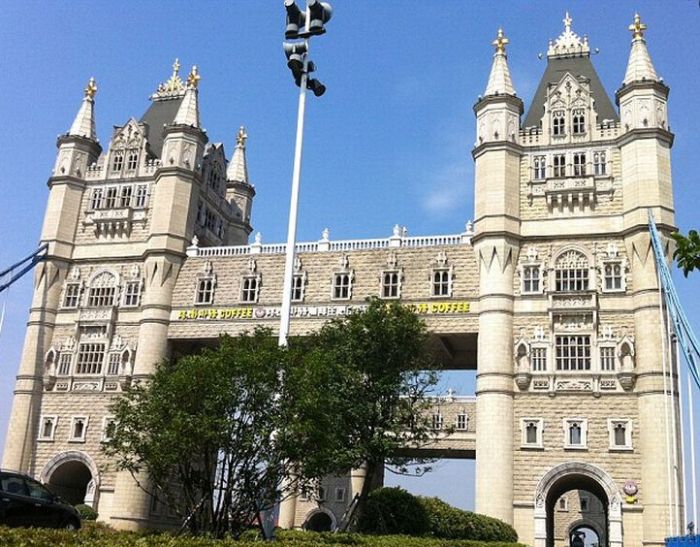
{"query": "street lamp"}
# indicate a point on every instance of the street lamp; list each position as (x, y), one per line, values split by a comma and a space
(301, 25)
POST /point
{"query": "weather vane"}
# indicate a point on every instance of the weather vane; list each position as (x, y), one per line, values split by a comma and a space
(91, 88)
(500, 42)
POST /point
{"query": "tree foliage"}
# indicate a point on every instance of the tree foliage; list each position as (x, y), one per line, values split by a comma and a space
(687, 252)
(359, 397)
(202, 431)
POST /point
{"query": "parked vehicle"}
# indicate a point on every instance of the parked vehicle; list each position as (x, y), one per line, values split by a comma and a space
(26, 502)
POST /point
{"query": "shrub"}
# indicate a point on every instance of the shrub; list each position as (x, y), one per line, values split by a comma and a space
(86, 512)
(451, 523)
(393, 511)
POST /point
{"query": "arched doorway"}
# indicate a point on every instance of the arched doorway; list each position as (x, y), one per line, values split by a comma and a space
(319, 521)
(575, 482)
(72, 476)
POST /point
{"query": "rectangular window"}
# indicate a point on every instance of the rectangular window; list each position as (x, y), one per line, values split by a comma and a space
(125, 195)
(132, 292)
(579, 122)
(96, 200)
(531, 432)
(538, 360)
(78, 428)
(298, 288)
(341, 286)
(563, 504)
(599, 163)
(109, 426)
(91, 355)
(571, 280)
(607, 358)
(579, 164)
(64, 362)
(584, 504)
(573, 352)
(110, 201)
(249, 289)
(210, 220)
(390, 284)
(558, 123)
(559, 164)
(47, 428)
(118, 161)
(141, 196)
(321, 494)
(462, 422)
(613, 276)
(113, 366)
(620, 432)
(101, 297)
(441, 282)
(437, 421)
(540, 163)
(575, 432)
(133, 160)
(72, 295)
(531, 279)
(340, 495)
(200, 213)
(205, 291)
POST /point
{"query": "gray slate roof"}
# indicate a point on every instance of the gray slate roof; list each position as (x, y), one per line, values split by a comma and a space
(578, 66)
(160, 113)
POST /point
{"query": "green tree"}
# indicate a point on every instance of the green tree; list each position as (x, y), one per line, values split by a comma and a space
(202, 429)
(687, 252)
(357, 393)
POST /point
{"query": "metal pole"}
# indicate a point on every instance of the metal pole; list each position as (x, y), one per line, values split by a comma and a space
(684, 497)
(293, 207)
(693, 475)
(674, 426)
(668, 436)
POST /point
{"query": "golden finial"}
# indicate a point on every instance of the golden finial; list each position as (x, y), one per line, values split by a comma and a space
(91, 88)
(193, 78)
(241, 137)
(567, 22)
(637, 27)
(176, 67)
(500, 42)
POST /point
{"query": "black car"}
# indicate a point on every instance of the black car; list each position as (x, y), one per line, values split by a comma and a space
(26, 502)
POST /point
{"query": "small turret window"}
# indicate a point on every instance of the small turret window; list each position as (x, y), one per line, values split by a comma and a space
(579, 122)
(558, 123)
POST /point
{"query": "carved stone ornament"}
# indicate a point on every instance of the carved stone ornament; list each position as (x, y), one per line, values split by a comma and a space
(252, 265)
(207, 269)
(75, 274)
(297, 264)
(522, 380)
(344, 262)
(391, 261)
(49, 381)
(627, 380)
(441, 259)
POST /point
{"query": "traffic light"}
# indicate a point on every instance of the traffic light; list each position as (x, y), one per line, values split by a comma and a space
(319, 14)
(296, 19)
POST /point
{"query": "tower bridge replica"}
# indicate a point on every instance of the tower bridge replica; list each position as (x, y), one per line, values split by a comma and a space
(551, 295)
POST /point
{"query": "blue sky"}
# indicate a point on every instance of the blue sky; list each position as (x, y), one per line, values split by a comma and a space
(389, 142)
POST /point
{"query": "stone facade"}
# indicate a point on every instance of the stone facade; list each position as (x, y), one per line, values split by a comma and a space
(550, 295)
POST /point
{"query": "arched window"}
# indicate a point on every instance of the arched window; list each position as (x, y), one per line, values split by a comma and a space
(118, 161)
(132, 160)
(558, 123)
(572, 272)
(579, 122)
(103, 290)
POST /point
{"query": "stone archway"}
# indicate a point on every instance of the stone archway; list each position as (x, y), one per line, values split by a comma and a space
(571, 476)
(72, 475)
(584, 525)
(320, 520)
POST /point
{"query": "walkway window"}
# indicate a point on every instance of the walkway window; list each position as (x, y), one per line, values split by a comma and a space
(573, 352)
(572, 272)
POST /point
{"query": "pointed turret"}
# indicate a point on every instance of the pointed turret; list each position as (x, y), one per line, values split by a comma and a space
(188, 113)
(237, 170)
(499, 80)
(84, 123)
(639, 66)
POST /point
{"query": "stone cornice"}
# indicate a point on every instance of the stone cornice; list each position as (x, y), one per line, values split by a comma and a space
(497, 145)
(77, 139)
(645, 84)
(499, 98)
(646, 133)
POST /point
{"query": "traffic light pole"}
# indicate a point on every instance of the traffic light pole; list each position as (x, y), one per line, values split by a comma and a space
(293, 209)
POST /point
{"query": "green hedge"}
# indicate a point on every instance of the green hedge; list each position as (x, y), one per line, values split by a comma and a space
(451, 523)
(86, 512)
(99, 536)
(393, 511)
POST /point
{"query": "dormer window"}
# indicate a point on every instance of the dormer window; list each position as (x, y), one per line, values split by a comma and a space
(132, 160)
(579, 122)
(600, 166)
(558, 123)
(117, 161)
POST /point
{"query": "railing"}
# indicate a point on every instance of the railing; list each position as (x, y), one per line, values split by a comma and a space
(397, 240)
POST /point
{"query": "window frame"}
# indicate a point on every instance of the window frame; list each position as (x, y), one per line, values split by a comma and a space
(578, 162)
(396, 286)
(535, 348)
(559, 165)
(437, 421)
(600, 163)
(128, 294)
(68, 294)
(340, 494)
(54, 423)
(462, 415)
(575, 357)
(539, 167)
(106, 422)
(336, 286)
(71, 437)
(539, 433)
(558, 123)
(247, 294)
(578, 122)
(621, 276)
(300, 280)
(60, 363)
(612, 445)
(583, 425)
(96, 366)
(612, 348)
(447, 270)
(525, 279)
(198, 289)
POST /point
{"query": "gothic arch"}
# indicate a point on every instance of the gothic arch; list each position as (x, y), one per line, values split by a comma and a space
(69, 456)
(580, 472)
(588, 523)
(560, 253)
(101, 272)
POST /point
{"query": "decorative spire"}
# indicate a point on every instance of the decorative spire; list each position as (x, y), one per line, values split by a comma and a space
(188, 113)
(237, 170)
(569, 44)
(84, 123)
(499, 80)
(172, 88)
(639, 66)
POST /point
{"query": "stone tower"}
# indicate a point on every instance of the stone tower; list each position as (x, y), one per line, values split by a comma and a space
(118, 225)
